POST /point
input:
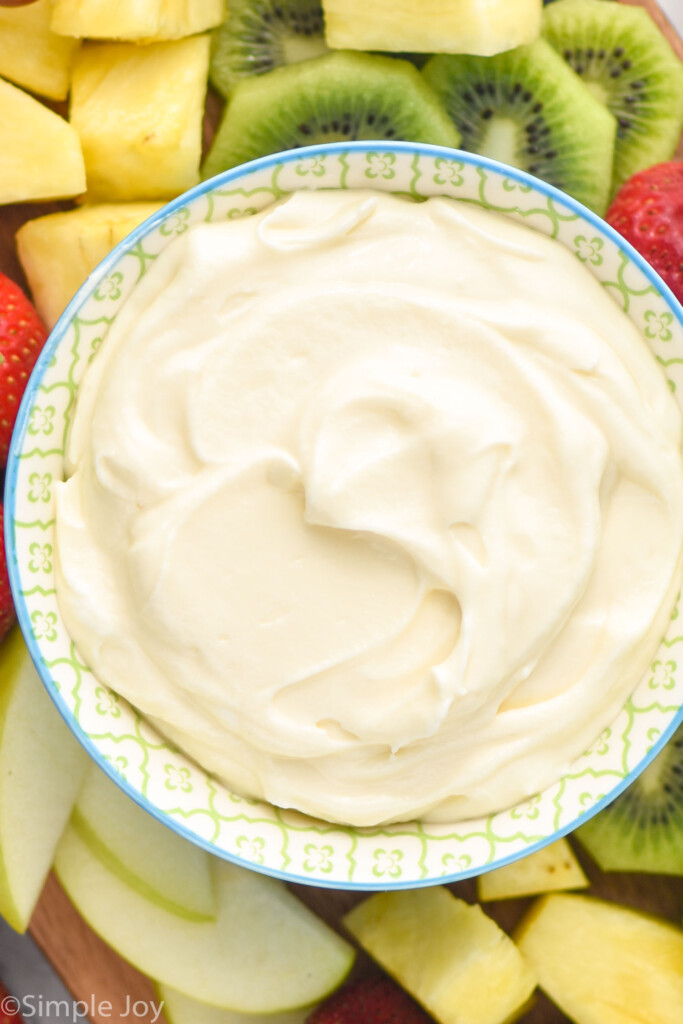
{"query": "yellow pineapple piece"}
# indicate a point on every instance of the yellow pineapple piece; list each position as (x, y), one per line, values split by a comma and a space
(547, 870)
(136, 20)
(41, 156)
(138, 111)
(58, 251)
(432, 26)
(31, 54)
(449, 955)
(603, 963)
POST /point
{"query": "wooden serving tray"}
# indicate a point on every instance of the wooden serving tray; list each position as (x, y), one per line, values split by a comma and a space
(95, 974)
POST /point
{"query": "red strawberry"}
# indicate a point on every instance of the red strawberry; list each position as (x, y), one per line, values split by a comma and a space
(6, 604)
(375, 1000)
(9, 1008)
(22, 335)
(648, 212)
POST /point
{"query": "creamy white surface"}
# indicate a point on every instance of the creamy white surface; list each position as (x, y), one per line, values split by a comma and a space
(374, 507)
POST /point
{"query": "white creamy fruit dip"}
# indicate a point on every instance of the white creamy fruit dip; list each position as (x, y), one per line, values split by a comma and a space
(374, 507)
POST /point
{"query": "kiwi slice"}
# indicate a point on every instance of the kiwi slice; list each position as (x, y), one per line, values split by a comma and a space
(643, 829)
(626, 62)
(336, 98)
(527, 108)
(260, 35)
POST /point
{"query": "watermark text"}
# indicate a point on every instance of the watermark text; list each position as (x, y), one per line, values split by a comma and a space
(32, 1006)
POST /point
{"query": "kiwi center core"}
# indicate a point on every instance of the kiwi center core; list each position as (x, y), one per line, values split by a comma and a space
(597, 89)
(296, 47)
(501, 140)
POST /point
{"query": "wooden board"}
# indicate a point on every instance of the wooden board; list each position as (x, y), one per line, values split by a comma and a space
(95, 975)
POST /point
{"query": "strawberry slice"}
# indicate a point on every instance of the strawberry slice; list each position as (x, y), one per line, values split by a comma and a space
(22, 335)
(7, 614)
(9, 1008)
(374, 1000)
(648, 212)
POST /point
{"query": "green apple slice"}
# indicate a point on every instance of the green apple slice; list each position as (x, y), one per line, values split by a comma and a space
(180, 1009)
(41, 771)
(264, 953)
(148, 856)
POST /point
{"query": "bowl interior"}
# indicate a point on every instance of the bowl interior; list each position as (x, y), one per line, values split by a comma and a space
(159, 777)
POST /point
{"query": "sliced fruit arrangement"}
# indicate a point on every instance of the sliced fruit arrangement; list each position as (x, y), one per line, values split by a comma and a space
(159, 864)
(607, 96)
(137, 109)
(22, 336)
(431, 26)
(648, 212)
(626, 62)
(132, 20)
(448, 954)
(553, 867)
(334, 98)
(31, 54)
(642, 830)
(214, 932)
(258, 921)
(58, 251)
(601, 962)
(41, 770)
(117, 93)
(527, 109)
(494, 102)
(260, 36)
(44, 159)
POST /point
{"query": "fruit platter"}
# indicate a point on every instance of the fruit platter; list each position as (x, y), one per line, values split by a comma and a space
(108, 115)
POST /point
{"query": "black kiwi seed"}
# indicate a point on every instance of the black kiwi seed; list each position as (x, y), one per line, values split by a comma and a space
(526, 108)
(259, 35)
(642, 830)
(631, 68)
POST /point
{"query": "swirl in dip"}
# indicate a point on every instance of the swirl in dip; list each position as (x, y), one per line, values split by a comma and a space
(374, 507)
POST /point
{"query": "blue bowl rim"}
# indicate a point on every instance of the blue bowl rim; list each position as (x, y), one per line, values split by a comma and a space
(56, 335)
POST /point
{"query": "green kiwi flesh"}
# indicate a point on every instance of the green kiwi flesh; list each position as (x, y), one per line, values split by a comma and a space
(642, 830)
(260, 35)
(527, 108)
(340, 97)
(621, 55)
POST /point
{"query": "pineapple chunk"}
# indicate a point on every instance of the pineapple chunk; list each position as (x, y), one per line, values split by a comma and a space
(41, 157)
(58, 251)
(31, 54)
(449, 955)
(432, 26)
(138, 111)
(554, 867)
(133, 20)
(603, 963)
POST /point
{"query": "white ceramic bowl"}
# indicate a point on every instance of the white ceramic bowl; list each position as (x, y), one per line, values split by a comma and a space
(161, 779)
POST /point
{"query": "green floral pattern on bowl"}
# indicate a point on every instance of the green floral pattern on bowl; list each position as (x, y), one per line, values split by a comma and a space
(281, 842)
